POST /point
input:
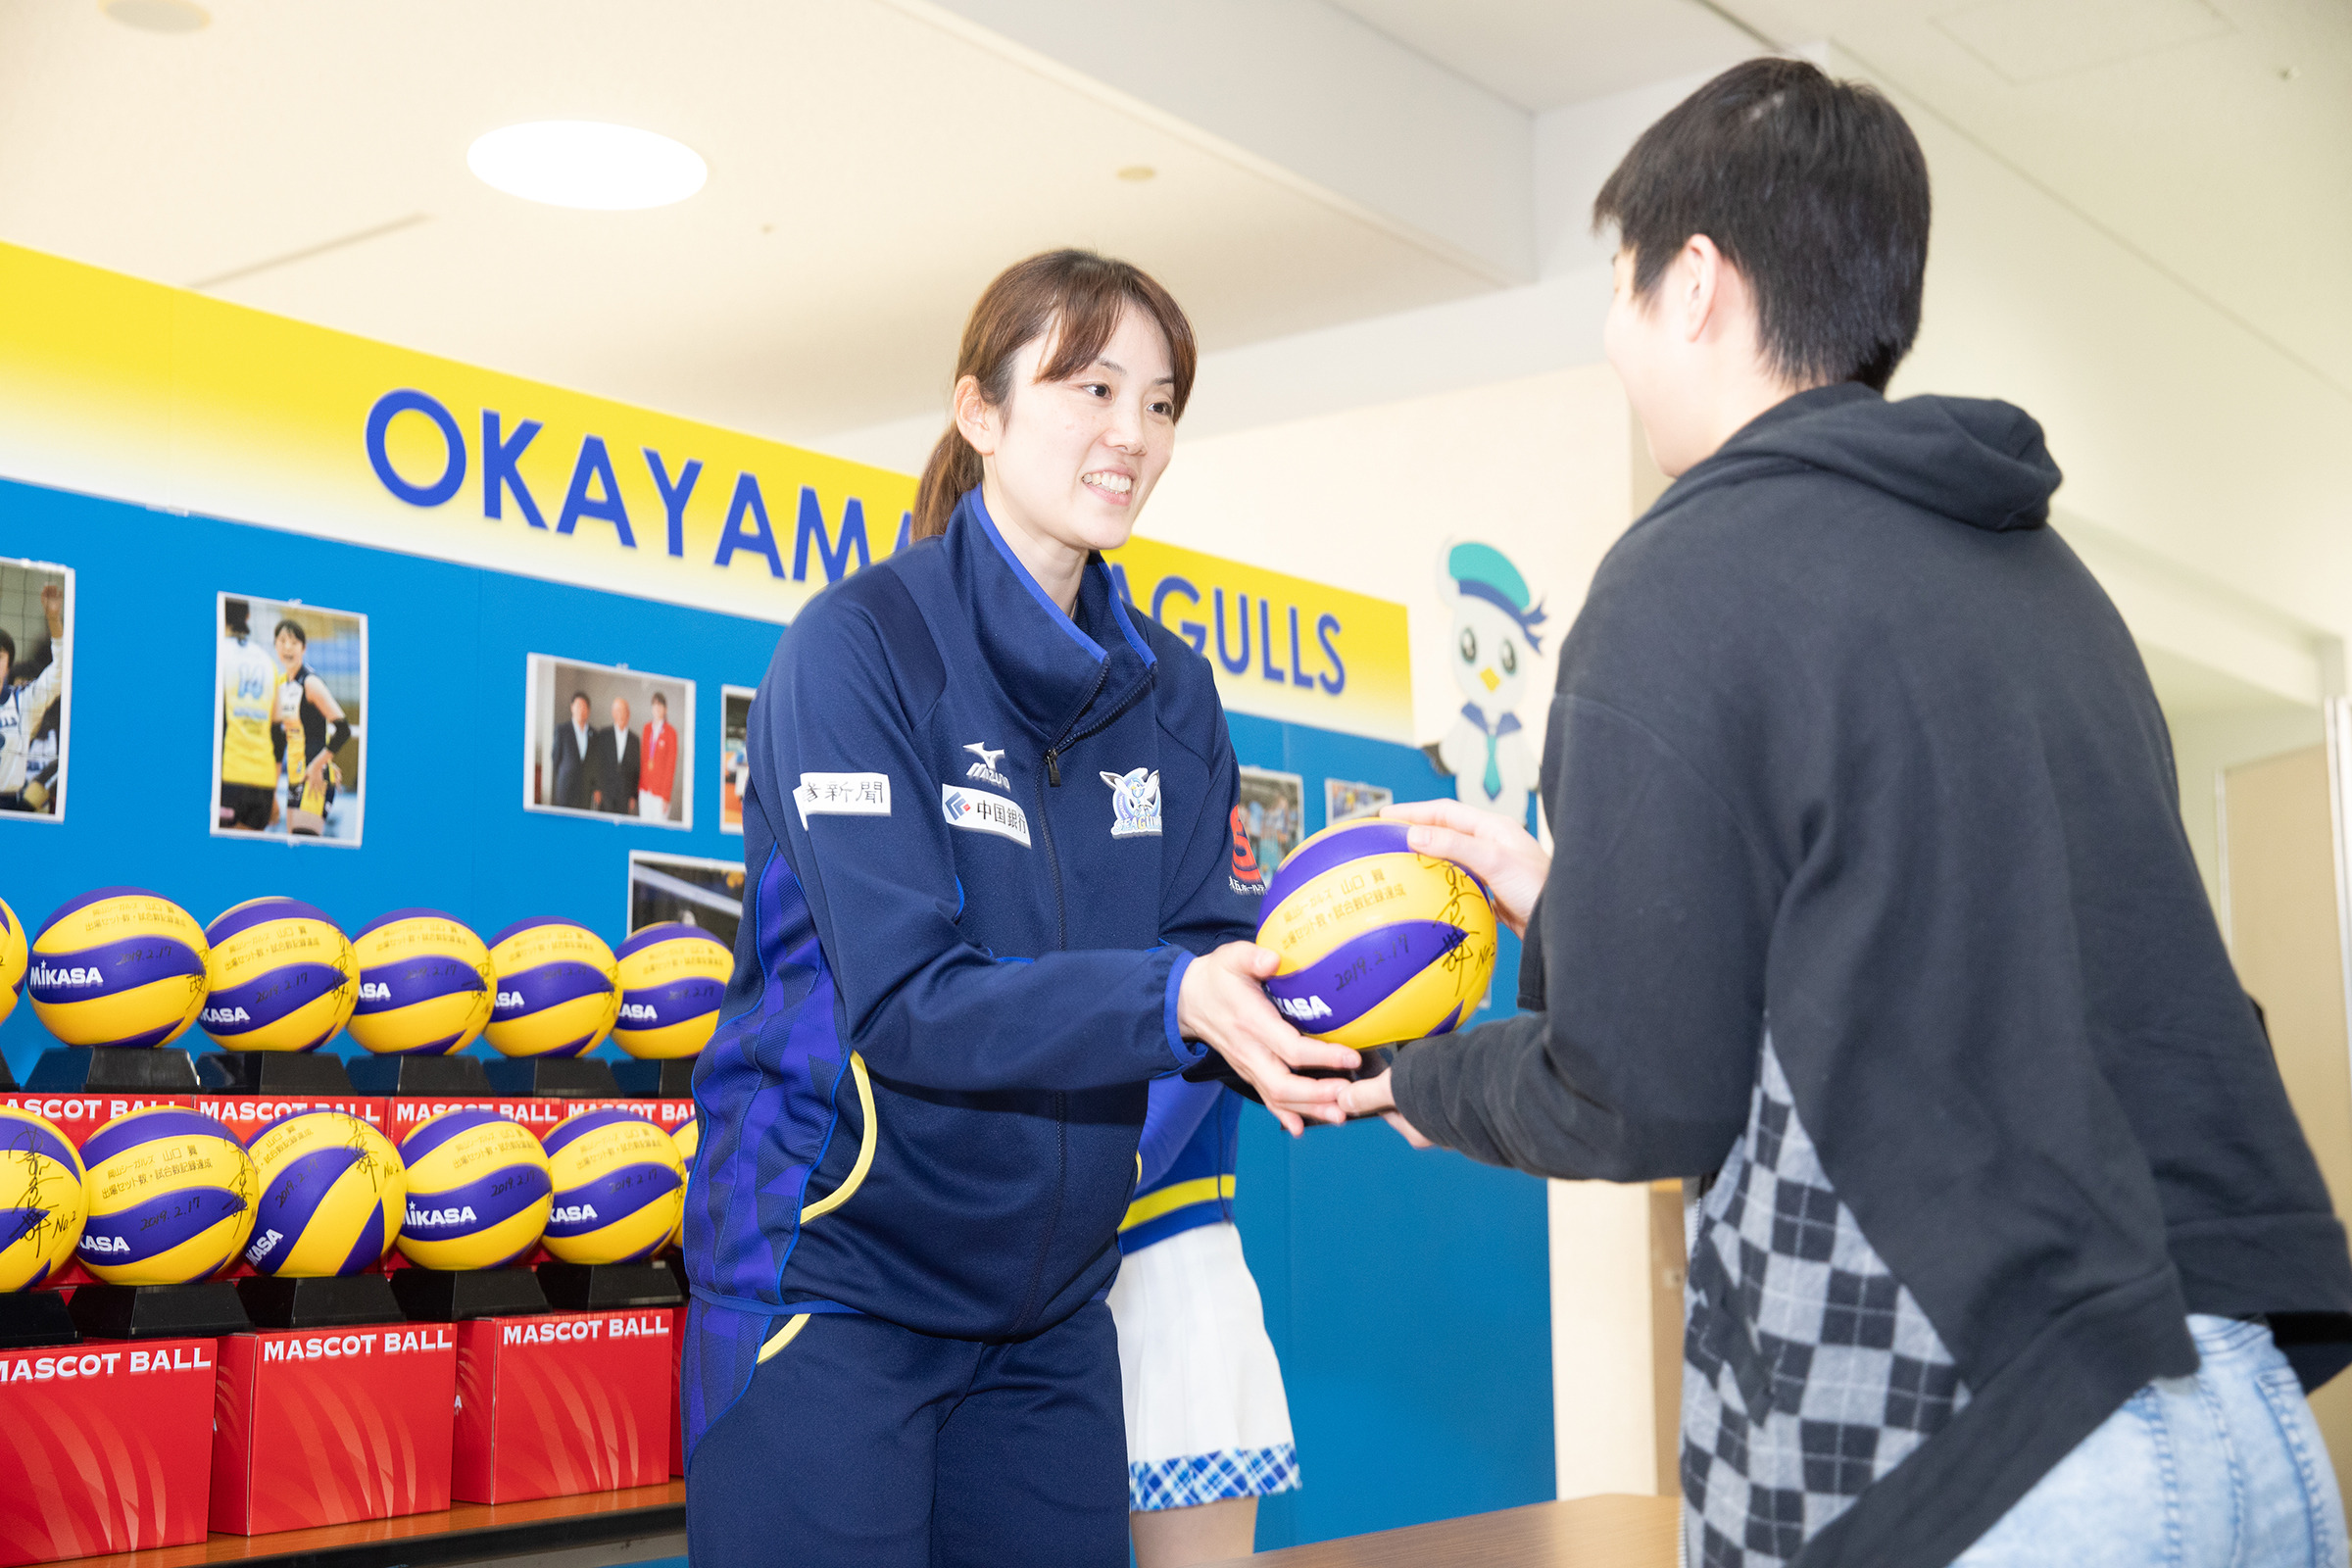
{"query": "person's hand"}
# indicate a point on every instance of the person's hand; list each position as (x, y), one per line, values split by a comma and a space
(1222, 1002)
(53, 607)
(317, 771)
(1375, 1097)
(1497, 851)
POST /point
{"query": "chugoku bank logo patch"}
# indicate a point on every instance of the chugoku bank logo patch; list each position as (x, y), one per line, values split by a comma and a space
(1134, 803)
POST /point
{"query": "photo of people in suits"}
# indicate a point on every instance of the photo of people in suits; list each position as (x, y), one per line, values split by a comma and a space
(604, 739)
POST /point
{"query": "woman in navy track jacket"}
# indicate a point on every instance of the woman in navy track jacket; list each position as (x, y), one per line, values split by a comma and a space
(991, 893)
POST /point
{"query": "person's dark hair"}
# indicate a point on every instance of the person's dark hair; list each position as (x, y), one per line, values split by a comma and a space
(235, 614)
(294, 626)
(1814, 189)
(7, 645)
(579, 697)
(1078, 297)
(661, 701)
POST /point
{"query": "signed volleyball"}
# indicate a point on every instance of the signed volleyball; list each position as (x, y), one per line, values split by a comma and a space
(672, 978)
(280, 975)
(688, 1137)
(426, 984)
(478, 1191)
(12, 955)
(40, 1199)
(557, 989)
(619, 1188)
(170, 1197)
(121, 966)
(1378, 944)
(332, 1196)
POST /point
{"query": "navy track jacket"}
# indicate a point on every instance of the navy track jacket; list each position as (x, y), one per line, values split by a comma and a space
(981, 842)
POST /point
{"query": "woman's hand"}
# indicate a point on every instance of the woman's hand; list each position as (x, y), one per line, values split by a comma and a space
(1374, 1096)
(1221, 1003)
(1496, 849)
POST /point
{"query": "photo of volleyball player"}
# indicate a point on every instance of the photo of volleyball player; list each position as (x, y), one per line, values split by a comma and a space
(290, 739)
(605, 739)
(685, 888)
(1273, 809)
(35, 602)
(734, 755)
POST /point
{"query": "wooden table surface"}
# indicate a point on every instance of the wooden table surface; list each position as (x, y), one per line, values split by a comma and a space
(471, 1530)
(1588, 1533)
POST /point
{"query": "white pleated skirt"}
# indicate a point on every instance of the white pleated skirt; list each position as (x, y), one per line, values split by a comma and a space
(1206, 1419)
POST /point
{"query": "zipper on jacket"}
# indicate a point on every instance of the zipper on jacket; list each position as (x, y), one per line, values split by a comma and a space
(1061, 935)
(1054, 753)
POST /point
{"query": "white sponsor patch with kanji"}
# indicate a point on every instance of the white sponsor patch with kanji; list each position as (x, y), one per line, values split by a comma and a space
(982, 812)
(842, 795)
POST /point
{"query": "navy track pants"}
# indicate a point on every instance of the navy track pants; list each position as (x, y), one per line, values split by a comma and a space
(860, 1442)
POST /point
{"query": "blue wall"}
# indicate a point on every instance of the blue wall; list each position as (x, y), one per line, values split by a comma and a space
(1406, 1293)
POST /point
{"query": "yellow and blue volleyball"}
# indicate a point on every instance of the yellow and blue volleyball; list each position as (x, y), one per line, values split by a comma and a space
(478, 1191)
(121, 966)
(426, 984)
(41, 1199)
(558, 992)
(621, 1187)
(1378, 944)
(280, 975)
(13, 957)
(672, 978)
(332, 1196)
(688, 1137)
(170, 1197)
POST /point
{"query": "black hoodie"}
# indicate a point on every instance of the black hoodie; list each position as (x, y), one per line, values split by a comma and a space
(1870, 893)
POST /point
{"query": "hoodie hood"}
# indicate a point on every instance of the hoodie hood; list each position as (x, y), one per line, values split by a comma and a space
(1974, 460)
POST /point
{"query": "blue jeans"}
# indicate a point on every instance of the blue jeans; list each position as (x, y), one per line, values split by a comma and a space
(2223, 1468)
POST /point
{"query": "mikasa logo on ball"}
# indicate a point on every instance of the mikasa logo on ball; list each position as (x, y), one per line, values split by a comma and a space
(227, 1015)
(1303, 1008)
(509, 999)
(44, 975)
(263, 1248)
(574, 1214)
(91, 1243)
(640, 1013)
(374, 991)
(429, 1218)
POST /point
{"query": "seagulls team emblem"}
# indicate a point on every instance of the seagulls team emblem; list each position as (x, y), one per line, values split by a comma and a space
(1134, 803)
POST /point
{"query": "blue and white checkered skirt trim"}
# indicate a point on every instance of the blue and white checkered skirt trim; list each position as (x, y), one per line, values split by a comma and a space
(1206, 1419)
(1211, 1478)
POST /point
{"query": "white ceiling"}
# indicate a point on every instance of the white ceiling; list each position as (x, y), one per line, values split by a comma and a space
(1541, 54)
(869, 172)
(875, 161)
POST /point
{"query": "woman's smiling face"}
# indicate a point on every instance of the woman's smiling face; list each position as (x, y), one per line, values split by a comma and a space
(1074, 460)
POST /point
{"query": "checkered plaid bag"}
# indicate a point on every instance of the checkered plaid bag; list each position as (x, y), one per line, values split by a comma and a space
(1808, 1371)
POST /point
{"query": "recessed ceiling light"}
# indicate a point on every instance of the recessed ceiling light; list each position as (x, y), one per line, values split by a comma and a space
(158, 16)
(582, 163)
(1137, 173)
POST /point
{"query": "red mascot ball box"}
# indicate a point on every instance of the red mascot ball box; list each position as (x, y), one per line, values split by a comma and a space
(326, 1426)
(571, 1402)
(104, 1446)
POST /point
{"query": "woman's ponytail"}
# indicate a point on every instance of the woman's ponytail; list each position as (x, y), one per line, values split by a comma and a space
(954, 469)
(1078, 296)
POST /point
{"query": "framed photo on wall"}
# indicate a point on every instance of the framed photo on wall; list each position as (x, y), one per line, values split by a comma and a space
(685, 887)
(289, 722)
(1344, 799)
(1273, 809)
(608, 741)
(36, 688)
(734, 755)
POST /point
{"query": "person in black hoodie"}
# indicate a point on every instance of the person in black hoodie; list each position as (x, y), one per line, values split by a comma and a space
(1869, 899)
